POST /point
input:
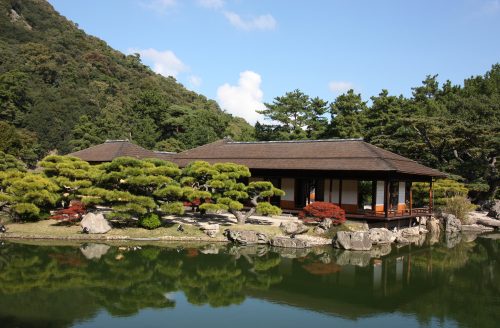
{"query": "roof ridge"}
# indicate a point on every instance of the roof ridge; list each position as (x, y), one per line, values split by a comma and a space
(292, 141)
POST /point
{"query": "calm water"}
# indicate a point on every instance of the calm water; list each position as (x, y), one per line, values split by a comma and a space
(92, 285)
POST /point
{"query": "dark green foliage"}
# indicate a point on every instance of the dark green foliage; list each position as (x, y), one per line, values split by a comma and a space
(455, 129)
(150, 221)
(9, 162)
(72, 90)
(299, 117)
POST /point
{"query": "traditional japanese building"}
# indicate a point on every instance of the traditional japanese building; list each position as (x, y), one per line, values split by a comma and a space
(368, 182)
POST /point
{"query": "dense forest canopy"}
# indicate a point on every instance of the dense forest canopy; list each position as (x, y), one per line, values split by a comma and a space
(61, 89)
(453, 128)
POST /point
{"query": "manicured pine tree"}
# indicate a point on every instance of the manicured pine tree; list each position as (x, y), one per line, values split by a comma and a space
(221, 184)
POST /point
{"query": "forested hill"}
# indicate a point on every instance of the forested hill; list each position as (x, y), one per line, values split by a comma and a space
(63, 89)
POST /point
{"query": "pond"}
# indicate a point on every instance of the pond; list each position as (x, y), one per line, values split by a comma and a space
(192, 285)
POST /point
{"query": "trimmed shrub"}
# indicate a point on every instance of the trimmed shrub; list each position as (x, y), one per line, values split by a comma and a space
(265, 208)
(319, 211)
(459, 206)
(173, 208)
(151, 221)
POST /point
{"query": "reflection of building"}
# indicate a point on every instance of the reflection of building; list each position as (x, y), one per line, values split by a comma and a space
(367, 181)
(384, 285)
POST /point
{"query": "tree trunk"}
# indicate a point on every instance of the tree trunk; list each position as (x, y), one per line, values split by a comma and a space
(242, 216)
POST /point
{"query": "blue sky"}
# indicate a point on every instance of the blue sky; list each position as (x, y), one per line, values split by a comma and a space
(243, 53)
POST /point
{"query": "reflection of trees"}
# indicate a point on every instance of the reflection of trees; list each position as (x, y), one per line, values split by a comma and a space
(468, 295)
(141, 279)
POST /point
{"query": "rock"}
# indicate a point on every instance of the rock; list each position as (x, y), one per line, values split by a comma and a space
(356, 225)
(422, 221)
(469, 237)
(451, 223)
(319, 230)
(433, 226)
(489, 222)
(494, 209)
(476, 228)
(288, 242)
(381, 250)
(94, 251)
(453, 239)
(361, 259)
(402, 240)
(494, 236)
(326, 224)
(291, 253)
(411, 232)
(314, 241)
(210, 229)
(293, 228)
(246, 237)
(381, 236)
(355, 240)
(119, 257)
(95, 223)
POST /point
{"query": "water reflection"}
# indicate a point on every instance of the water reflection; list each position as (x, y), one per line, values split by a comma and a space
(59, 286)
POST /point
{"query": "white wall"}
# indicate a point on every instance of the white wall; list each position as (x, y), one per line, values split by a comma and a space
(402, 192)
(349, 192)
(288, 186)
(380, 193)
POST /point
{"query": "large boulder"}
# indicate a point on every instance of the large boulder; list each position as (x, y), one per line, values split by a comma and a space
(412, 232)
(246, 237)
(494, 209)
(314, 241)
(293, 228)
(353, 240)
(433, 226)
(489, 222)
(287, 242)
(210, 230)
(380, 236)
(356, 225)
(478, 228)
(451, 223)
(95, 223)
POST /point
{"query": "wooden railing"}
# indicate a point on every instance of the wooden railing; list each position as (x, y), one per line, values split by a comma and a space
(393, 213)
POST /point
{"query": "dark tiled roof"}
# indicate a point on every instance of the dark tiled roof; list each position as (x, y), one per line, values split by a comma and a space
(112, 149)
(331, 155)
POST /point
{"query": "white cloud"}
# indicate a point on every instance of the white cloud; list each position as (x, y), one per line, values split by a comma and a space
(212, 4)
(160, 5)
(165, 62)
(195, 80)
(339, 87)
(491, 7)
(243, 99)
(262, 22)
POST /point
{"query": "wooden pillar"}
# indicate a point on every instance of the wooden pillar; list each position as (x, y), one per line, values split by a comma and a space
(340, 192)
(374, 196)
(411, 197)
(386, 198)
(431, 200)
(330, 191)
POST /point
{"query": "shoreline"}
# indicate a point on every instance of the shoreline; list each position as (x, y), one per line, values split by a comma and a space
(8, 235)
